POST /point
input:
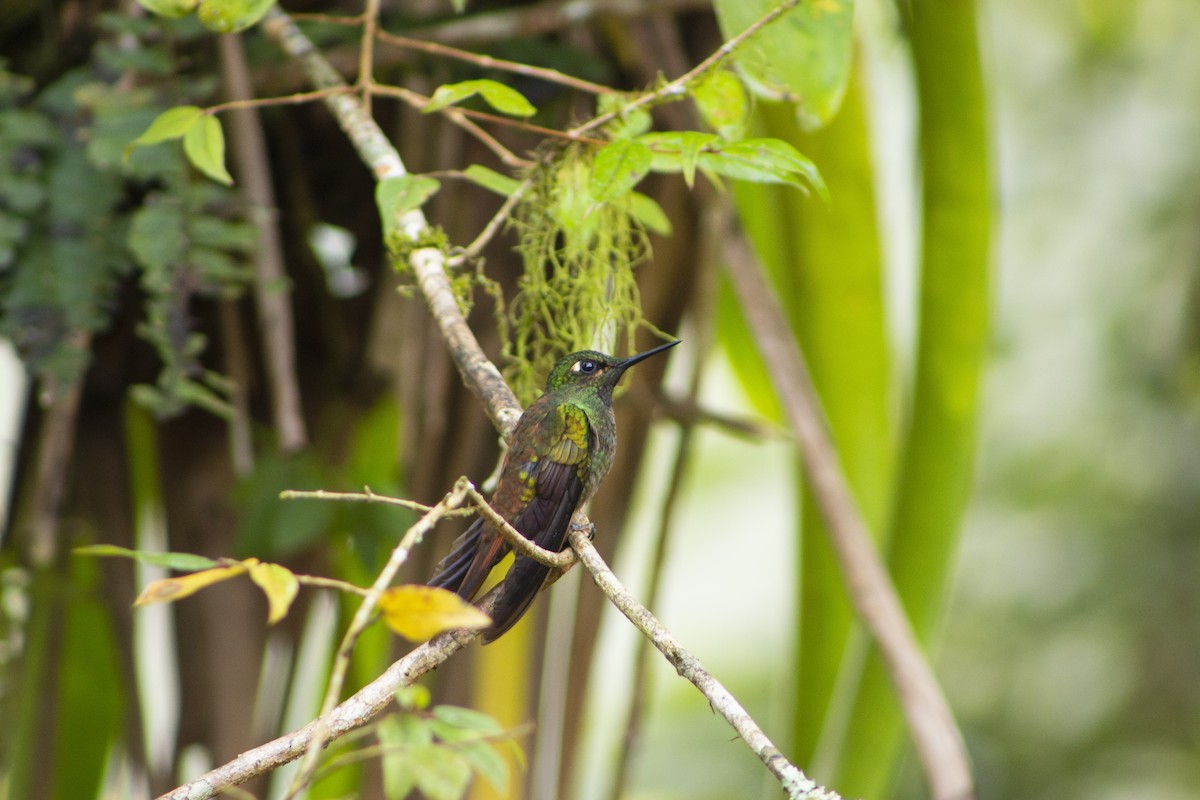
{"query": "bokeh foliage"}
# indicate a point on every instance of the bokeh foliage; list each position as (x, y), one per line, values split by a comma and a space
(112, 263)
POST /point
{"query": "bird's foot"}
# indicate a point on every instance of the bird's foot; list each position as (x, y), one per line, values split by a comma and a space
(588, 528)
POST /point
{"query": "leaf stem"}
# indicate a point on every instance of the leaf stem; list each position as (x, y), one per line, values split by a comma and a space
(493, 227)
(289, 99)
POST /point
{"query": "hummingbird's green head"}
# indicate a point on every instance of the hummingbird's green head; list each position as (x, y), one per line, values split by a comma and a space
(596, 370)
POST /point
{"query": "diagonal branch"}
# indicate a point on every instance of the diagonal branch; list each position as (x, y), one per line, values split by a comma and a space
(560, 561)
(797, 785)
(935, 734)
(427, 263)
(355, 712)
(362, 618)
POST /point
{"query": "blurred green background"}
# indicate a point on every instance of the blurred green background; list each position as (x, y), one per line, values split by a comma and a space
(1071, 644)
(1015, 198)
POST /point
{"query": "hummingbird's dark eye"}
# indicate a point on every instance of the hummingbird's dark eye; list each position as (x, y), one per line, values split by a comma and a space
(584, 365)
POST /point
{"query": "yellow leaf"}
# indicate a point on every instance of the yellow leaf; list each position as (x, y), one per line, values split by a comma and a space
(422, 612)
(170, 589)
(278, 584)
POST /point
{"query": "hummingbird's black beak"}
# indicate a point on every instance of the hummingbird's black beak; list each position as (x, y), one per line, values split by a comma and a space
(629, 362)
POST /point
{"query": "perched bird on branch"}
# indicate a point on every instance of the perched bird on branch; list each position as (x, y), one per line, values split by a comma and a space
(561, 449)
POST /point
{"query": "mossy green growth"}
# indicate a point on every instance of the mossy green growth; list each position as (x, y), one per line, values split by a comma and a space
(578, 289)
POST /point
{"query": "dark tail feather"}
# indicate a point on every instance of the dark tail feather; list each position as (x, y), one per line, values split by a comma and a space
(450, 571)
(517, 592)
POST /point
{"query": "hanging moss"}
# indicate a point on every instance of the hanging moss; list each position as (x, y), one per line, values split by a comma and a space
(578, 289)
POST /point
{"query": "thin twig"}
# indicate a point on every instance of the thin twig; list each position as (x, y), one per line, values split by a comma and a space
(296, 98)
(560, 561)
(418, 100)
(331, 583)
(490, 62)
(935, 735)
(366, 52)
(794, 781)
(362, 618)
(677, 88)
(528, 127)
(458, 117)
(365, 496)
(493, 227)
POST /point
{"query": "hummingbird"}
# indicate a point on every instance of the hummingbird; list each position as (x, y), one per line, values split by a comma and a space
(561, 448)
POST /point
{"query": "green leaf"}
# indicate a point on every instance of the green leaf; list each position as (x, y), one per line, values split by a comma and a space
(230, 16)
(204, 145)
(764, 161)
(487, 761)
(737, 340)
(394, 197)
(647, 211)
(205, 230)
(722, 102)
(678, 151)
(617, 168)
(805, 54)
(441, 773)
(22, 193)
(87, 674)
(504, 99)
(20, 126)
(169, 8)
(627, 124)
(156, 235)
(114, 57)
(170, 124)
(184, 562)
(468, 719)
(405, 737)
(491, 180)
